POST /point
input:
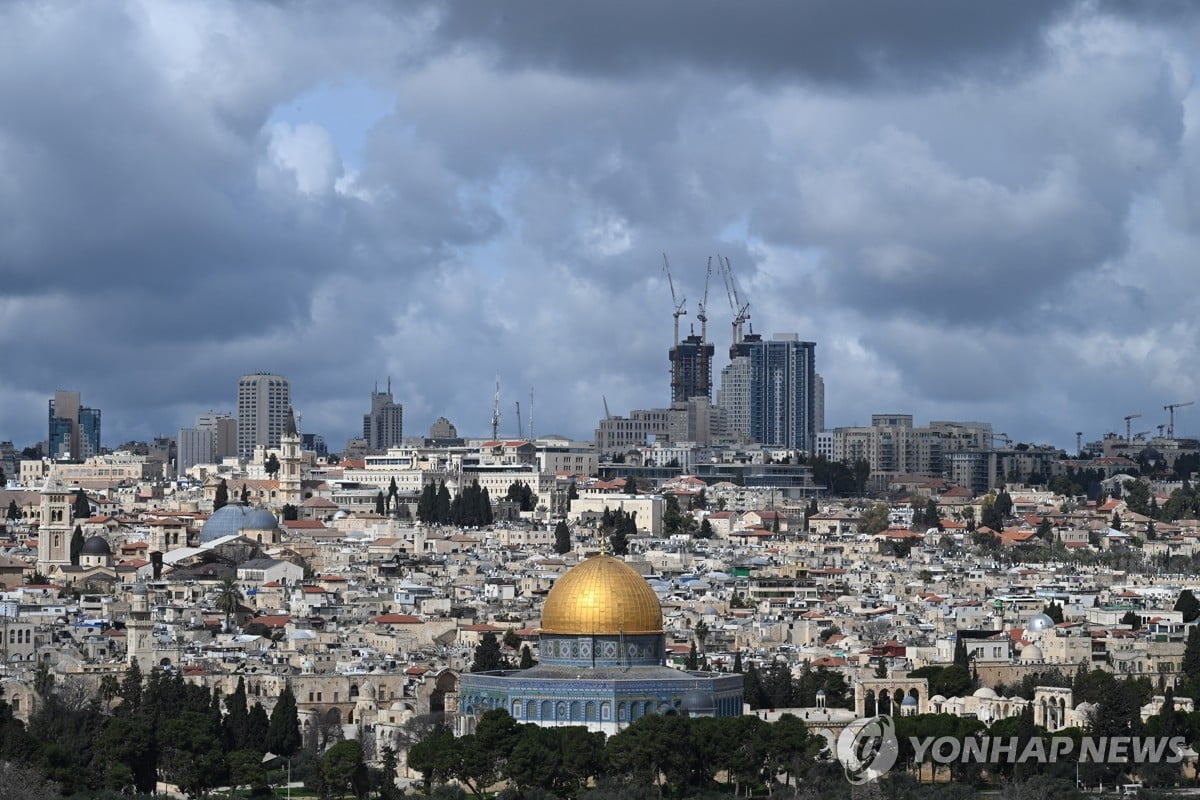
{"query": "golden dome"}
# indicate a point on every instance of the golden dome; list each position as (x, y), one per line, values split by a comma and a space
(601, 595)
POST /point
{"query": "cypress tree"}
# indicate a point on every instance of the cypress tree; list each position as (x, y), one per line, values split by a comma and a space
(283, 731)
(441, 512)
(526, 657)
(235, 723)
(379, 503)
(82, 507)
(222, 497)
(76, 545)
(562, 538)
(427, 505)
(960, 651)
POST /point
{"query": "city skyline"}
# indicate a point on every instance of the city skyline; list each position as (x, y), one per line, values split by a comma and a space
(977, 213)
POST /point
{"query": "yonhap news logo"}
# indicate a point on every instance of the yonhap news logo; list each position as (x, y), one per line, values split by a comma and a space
(868, 748)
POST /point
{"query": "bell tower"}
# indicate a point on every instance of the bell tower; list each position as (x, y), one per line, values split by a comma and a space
(289, 462)
(54, 532)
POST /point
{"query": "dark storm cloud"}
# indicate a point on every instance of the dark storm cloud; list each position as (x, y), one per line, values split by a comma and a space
(825, 41)
(978, 210)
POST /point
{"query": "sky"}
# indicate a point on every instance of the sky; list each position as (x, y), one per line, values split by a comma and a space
(978, 211)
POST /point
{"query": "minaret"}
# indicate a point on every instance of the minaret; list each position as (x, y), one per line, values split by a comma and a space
(54, 532)
(289, 462)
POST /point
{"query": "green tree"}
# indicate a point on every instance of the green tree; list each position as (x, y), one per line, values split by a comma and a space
(672, 517)
(434, 756)
(706, 530)
(13, 512)
(76, 545)
(222, 497)
(1054, 611)
(82, 508)
(875, 519)
(344, 769)
(229, 599)
(1190, 666)
(631, 484)
(562, 538)
(1132, 619)
(245, 496)
(526, 658)
(488, 657)
(442, 505)
(1188, 606)
(380, 503)
(283, 734)
(791, 749)
(271, 466)
(1136, 495)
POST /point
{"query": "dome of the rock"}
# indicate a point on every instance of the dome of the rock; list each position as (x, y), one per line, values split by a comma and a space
(602, 595)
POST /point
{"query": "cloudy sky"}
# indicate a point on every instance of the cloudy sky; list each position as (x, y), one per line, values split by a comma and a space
(979, 211)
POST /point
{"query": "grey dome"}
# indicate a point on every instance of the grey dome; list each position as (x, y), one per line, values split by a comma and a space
(95, 546)
(235, 518)
(1040, 622)
(908, 700)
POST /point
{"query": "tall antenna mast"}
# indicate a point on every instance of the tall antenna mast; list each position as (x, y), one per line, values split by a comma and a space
(531, 413)
(496, 412)
(520, 432)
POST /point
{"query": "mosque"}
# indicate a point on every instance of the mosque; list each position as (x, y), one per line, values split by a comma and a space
(602, 661)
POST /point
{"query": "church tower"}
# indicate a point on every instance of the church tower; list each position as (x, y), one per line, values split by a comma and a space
(139, 641)
(289, 463)
(54, 532)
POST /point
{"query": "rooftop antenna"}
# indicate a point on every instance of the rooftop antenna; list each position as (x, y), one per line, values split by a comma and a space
(531, 413)
(520, 432)
(496, 412)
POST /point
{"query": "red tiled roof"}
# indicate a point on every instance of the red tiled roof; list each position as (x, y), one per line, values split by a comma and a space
(397, 619)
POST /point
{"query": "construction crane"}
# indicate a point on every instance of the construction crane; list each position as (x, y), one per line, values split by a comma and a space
(676, 376)
(1004, 437)
(702, 315)
(1171, 408)
(496, 412)
(1129, 427)
(607, 415)
(1141, 435)
(741, 310)
(531, 413)
(1160, 427)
